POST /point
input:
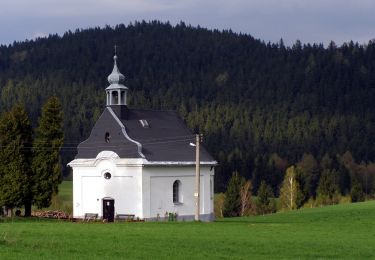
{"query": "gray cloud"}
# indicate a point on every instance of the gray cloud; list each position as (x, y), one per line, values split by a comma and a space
(269, 20)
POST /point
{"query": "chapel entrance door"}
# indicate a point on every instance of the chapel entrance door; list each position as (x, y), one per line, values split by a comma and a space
(109, 209)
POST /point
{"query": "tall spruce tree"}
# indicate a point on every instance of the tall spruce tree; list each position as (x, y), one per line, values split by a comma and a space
(308, 171)
(265, 202)
(46, 160)
(15, 158)
(232, 203)
(328, 190)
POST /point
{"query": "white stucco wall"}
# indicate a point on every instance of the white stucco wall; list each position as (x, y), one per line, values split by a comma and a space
(137, 188)
(90, 187)
(158, 190)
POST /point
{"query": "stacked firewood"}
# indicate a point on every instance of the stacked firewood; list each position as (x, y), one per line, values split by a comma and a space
(50, 214)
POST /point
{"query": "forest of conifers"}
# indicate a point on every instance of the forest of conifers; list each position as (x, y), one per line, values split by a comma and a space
(261, 106)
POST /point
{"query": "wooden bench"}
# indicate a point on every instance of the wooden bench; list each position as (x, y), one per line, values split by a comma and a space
(90, 216)
(125, 217)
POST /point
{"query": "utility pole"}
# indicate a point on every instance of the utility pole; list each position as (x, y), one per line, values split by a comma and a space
(197, 177)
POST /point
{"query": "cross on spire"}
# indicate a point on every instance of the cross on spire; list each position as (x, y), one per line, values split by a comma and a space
(115, 49)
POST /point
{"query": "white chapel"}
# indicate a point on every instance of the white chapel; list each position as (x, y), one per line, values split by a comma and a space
(139, 162)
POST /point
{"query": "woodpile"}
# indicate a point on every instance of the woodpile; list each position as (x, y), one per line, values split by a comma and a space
(51, 214)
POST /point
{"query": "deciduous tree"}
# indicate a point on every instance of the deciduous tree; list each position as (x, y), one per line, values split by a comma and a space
(289, 190)
(245, 197)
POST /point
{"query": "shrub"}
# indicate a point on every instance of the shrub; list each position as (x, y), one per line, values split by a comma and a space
(219, 205)
(265, 202)
(356, 192)
(311, 203)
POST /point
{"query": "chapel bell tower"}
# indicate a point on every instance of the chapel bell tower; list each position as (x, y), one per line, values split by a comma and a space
(116, 92)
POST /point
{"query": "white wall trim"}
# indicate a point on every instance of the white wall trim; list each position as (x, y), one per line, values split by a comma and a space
(174, 163)
(135, 162)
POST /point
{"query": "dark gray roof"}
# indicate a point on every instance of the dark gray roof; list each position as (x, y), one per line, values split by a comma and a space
(166, 139)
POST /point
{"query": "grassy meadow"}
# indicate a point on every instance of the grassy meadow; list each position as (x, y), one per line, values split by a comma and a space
(340, 231)
(64, 200)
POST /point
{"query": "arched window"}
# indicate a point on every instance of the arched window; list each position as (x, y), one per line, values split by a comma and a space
(114, 98)
(107, 137)
(176, 192)
(108, 98)
(123, 97)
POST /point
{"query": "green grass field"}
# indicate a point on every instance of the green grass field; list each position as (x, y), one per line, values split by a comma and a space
(66, 191)
(64, 200)
(341, 231)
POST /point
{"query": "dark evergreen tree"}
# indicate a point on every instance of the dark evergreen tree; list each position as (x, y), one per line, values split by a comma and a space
(46, 164)
(15, 158)
(232, 202)
(344, 179)
(308, 176)
(356, 191)
(265, 202)
(328, 191)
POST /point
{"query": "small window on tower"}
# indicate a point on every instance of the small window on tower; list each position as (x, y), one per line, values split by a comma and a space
(115, 100)
(144, 123)
(123, 98)
(107, 137)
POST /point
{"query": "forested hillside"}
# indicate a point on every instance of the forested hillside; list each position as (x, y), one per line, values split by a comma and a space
(260, 106)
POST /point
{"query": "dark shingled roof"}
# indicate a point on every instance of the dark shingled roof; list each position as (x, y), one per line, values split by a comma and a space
(166, 139)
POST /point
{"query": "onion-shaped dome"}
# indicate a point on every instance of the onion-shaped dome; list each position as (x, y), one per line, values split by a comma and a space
(115, 77)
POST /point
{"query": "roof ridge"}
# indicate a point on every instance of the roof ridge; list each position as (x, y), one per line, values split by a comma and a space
(152, 110)
(139, 145)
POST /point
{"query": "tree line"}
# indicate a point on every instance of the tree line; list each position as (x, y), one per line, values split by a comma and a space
(258, 104)
(309, 183)
(30, 167)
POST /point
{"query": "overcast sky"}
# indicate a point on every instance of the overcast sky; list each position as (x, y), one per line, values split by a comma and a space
(269, 20)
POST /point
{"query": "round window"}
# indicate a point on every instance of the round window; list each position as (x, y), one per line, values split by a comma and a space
(107, 175)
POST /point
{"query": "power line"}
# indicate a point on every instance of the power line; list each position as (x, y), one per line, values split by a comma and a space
(167, 141)
(145, 140)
